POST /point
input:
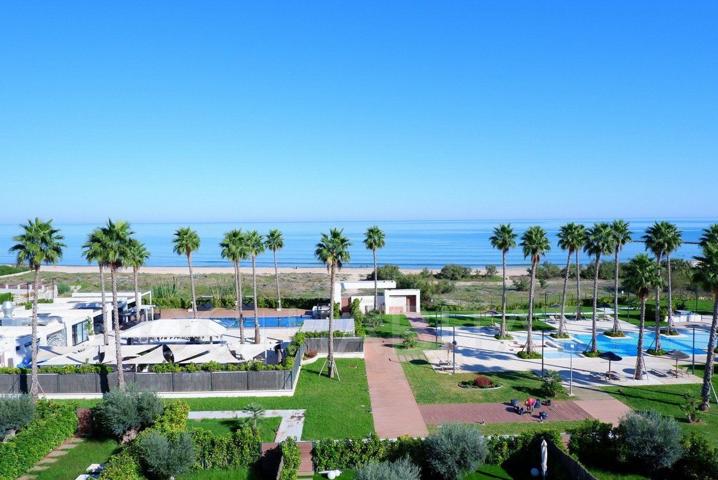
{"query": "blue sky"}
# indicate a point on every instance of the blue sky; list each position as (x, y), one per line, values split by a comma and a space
(168, 111)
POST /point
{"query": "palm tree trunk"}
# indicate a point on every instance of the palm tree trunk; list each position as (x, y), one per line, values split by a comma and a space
(708, 372)
(238, 290)
(34, 379)
(638, 375)
(105, 325)
(191, 281)
(530, 318)
(330, 354)
(503, 294)
(135, 279)
(657, 343)
(578, 288)
(670, 295)
(116, 314)
(254, 300)
(562, 318)
(376, 280)
(276, 277)
(616, 324)
(594, 338)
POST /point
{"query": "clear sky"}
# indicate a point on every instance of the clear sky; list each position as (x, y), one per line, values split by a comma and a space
(291, 110)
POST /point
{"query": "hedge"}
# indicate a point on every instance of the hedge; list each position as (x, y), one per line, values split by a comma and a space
(240, 448)
(290, 459)
(52, 425)
(61, 369)
(253, 366)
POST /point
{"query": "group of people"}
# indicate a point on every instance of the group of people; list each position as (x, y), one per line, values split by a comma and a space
(529, 406)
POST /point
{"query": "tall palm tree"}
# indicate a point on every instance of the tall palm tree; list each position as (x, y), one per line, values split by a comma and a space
(598, 241)
(137, 256)
(662, 239)
(234, 249)
(333, 251)
(93, 251)
(707, 276)
(374, 240)
(117, 245)
(255, 246)
(503, 239)
(38, 243)
(641, 276)
(535, 244)
(274, 242)
(185, 242)
(621, 237)
(570, 238)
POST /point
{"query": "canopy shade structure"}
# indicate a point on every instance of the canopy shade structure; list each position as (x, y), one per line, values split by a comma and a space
(248, 351)
(202, 354)
(176, 328)
(45, 353)
(88, 355)
(128, 352)
(153, 357)
(345, 325)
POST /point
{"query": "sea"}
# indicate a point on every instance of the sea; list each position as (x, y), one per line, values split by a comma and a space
(409, 244)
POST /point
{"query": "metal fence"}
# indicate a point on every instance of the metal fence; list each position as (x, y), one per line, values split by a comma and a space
(341, 344)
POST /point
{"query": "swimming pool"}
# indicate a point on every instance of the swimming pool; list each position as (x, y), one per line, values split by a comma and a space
(264, 322)
(626, 346)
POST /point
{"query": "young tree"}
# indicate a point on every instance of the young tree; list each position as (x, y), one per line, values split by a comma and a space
(641, 277)
(333, 251)
(275, 242)
(570, 238)
(93, 251)
(39, 243)
(374, 240)
(707, 276)
(598, 241)
(535, 244)
(186, 241)
(255, 246)
(234, 249)
(621, 237)
(503, 239)
(137, 256)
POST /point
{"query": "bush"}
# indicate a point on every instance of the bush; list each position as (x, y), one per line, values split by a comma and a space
(409, 339)
(649, 440)
(455, 450)
(551, 385)
(454, 272)
(15, 412)
(499, 448)
(173, 418)
(121, 466)
(60, 369)
(490, 271)
(521, 284)
(482, 381)
(401, 469)
(241, 448)
(164, 456)
(291, 459)
(699, 460)
(547, 271)
(126, 411)
(386, 272)
(349, 453)
(593, 443)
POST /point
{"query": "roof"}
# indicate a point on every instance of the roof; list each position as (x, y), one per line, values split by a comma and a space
(176, 328)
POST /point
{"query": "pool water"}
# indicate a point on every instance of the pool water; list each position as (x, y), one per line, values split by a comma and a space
(264, 322)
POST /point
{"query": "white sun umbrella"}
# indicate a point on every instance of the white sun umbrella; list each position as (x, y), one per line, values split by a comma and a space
(544, 458)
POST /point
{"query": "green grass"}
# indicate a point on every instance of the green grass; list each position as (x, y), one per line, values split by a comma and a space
(346, 475)
(521, 427)
(391, 326)
(241, 473)
(267, 426)
(511, 324)
(489, 472)
(334, 409)
(78, 459)
(602, 474)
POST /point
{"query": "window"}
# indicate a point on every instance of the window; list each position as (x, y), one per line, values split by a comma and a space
(80, 333)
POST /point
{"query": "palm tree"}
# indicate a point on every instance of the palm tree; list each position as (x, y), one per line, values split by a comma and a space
(621, 237)
(570, 238)
(275, 241)
(707, 276)
(234, 249)
(598, 241)
(333, 251)
(503, 239)
(535, 244)
(93, 251)
(118, 237)
(38, 243)
(374, 240)
(185, 242)
(137, 256)
(641, 276)
(255, 246)
(662, 238)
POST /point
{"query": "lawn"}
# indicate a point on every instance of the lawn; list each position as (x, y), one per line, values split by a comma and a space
(522, 427)
(602, 474)
(486, 472)
(78, 459)
(267, 426)
(334, 408)
(241, 473)
(391, 326)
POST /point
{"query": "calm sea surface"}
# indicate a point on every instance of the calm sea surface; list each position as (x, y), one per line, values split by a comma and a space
(412, 244)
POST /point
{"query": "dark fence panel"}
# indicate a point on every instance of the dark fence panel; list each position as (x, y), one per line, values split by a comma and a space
(227, 381)
(153, 382)
(341, 344)
(79, 382)
(48, 382)
(192, 382)
(9, 384)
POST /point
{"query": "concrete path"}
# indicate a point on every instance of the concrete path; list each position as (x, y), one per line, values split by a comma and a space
(292, 423)
(393, 405)
(423, 331)
(437, 414)
(601, 405)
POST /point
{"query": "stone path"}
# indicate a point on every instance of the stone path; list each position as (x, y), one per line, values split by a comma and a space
(292, 423)
(52, 457)
(600, 405)
(437, 414)
(424, 332)
(393, 405)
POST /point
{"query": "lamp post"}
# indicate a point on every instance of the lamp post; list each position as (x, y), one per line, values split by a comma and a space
(453, 350)
(570, 378)
(543, 342)
(693, 352)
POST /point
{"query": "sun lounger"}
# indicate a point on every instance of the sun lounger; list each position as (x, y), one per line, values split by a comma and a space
(658, 373)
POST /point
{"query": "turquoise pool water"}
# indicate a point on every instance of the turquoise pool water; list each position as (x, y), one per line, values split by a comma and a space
(264, 322)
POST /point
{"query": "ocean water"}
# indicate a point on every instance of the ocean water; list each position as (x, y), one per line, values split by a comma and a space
(411, 244)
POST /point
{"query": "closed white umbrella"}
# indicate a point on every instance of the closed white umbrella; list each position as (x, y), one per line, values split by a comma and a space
(544, 458)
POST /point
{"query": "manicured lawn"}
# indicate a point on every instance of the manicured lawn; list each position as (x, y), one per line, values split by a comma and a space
(608, 475)
(346, 475)
(391, 326)
(78, 459)
(512, 324)
(334, 408)
(234, 474)
(489, 472)
(521, 427)
(267, 426)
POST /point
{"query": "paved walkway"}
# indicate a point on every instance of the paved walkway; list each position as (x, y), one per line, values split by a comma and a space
(600, 405)
(424, 332)
(292, 423)
(437, 414)
(393, 405)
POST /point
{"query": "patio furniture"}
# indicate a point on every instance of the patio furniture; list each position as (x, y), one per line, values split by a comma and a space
(678, 355)
(611, 357)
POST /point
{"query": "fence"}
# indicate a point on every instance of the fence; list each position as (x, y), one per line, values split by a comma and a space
(341, 344)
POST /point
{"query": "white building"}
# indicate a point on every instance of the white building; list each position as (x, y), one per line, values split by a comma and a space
(390, 299)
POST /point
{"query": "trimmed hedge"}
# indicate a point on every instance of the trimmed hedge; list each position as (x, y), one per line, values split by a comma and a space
(254, 366)
(52, 425)
(60, 369)
(290, 459)
(240, 448)
(121, 466)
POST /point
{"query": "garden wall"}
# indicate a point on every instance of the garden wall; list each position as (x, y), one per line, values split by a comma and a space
(342, 345)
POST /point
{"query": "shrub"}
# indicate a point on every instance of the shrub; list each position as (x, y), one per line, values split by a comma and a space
(690, 407)
(699, 460)
(255, 411)
(499, 448)
(593, 443)
(126, 411)
(455, 450)
(551, 385)
(547, 271)
(60, 369)
(349, 453)
(528, 356)
(454, 272)
(490, 271)
(121, 466)
(521, 284)
(409, 339)
(386, 272)
(15, 412)
(164, 456)
(291, 459)
(649, 440)
(173, 418)
(482, 381)
(401, 469)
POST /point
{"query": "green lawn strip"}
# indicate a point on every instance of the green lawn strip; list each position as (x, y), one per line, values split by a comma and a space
(391, 326)
(267, 426)
(346, 475)
(241, 473)
(602, 474)
(512, 324)
(76, 461)
(518, 428)
(489, 472)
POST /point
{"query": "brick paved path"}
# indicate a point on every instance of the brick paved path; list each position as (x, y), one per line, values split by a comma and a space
(393, 405)
(421, 327)
(437, 414)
